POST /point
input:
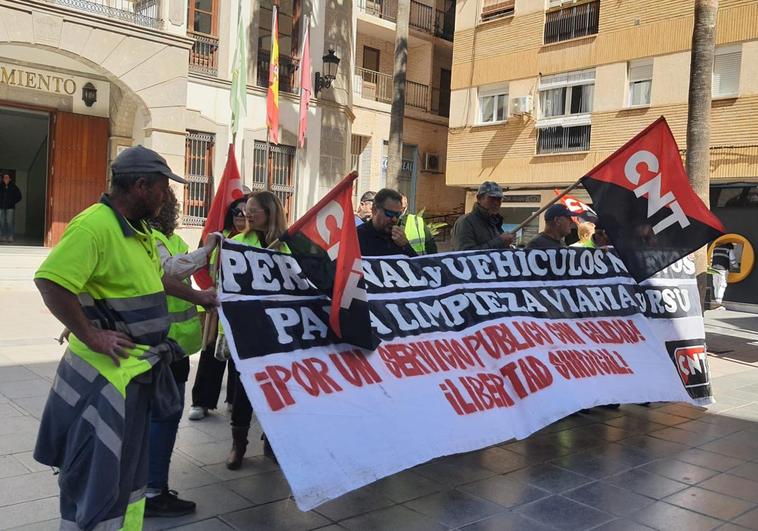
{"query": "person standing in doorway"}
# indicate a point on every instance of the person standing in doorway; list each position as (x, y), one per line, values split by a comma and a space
(10, 195)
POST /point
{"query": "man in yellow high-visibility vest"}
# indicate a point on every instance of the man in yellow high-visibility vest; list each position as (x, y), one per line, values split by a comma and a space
(416, 230)
(104, 282)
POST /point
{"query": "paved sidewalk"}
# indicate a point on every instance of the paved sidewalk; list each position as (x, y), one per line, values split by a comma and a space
(667, 466)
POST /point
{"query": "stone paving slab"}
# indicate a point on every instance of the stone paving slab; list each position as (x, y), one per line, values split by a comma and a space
(664, 466)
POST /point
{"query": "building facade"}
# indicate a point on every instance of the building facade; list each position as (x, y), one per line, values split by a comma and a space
(82, 79)
(427, 105)
(543, 90)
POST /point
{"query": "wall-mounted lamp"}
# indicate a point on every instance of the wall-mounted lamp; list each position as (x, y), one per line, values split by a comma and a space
(330, 63)
(89, 94)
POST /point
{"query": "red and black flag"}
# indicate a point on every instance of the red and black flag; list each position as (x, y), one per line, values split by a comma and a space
(646, 205)
(581, 210)
(325, 244)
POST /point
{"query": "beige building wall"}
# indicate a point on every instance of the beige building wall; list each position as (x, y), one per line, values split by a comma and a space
(510, 51)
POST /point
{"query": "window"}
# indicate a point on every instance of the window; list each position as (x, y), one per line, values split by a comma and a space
(640, 82)
(202, 16)
(567, 94)
(564, 122)
(198, 170)
(277, 174)
(289, 42)
(493, 105)
(493, 9)
(563, 139)
(571, 22)
(726, 71)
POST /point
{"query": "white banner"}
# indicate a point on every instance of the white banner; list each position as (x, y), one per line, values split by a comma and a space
(477, 348)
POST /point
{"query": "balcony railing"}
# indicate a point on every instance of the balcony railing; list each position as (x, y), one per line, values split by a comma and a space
(373, 85)
(444, 24)
(563, 139)
(422, 16)
(384, 9)
(377, 86)
(141, 12)
(287, 71)
(417, 95)
(572, 22)
(204, 54)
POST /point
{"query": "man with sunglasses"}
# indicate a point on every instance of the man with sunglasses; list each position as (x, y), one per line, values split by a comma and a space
(381, 235)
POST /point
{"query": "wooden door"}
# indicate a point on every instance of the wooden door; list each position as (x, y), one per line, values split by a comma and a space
(78, 169)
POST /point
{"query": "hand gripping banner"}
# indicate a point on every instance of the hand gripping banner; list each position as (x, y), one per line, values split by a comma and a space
(476, 348)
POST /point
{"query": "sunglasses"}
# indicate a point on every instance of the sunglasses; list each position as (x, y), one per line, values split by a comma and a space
(392, 213)
(237, 212)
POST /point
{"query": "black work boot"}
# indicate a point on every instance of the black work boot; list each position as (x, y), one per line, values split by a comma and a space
(167, 504)
(239, 447)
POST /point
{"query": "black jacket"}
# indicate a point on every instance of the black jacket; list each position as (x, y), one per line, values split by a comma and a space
(9, 195)
(375, 243)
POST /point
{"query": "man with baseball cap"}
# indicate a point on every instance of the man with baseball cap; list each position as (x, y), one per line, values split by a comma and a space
(557, 226)
(482, 228)
(104, 282)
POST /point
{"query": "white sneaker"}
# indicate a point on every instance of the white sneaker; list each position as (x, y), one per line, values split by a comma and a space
(198, 413)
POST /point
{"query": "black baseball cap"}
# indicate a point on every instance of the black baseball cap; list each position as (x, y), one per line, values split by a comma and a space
(556, 211)
(141, 159)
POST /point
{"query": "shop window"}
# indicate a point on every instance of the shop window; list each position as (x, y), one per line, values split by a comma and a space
(276, 174)
(198, 191)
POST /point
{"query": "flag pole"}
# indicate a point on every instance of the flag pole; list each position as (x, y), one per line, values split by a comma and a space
(298, 147)
(550, 203)
(268, 158)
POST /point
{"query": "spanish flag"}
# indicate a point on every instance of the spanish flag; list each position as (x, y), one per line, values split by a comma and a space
(272, 100)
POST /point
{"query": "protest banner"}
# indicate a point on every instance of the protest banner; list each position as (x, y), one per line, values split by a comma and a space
(477, 348)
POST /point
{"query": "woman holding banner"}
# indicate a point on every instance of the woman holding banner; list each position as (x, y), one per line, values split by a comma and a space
(210, 371)
(265, 223)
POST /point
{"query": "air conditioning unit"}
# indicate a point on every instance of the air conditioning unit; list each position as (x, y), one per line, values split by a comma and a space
(521, 105)
(432, 162)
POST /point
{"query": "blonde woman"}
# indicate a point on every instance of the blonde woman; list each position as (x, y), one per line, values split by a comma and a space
(265, 223)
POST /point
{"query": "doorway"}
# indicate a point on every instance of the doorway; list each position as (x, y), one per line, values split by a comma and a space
(24, 138)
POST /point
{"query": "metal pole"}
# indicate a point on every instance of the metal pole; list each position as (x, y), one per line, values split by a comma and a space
(548, 205)
(268, 162)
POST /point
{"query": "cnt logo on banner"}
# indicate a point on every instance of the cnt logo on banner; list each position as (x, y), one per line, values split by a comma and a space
(476, 348)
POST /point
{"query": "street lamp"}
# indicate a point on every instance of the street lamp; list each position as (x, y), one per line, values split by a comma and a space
(89, 94)
(330, 62)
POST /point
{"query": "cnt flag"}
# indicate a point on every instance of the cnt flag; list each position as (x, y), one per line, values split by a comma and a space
(581, 210)
(229, 190)
(646, 205)
(272, 97)
(325, 244)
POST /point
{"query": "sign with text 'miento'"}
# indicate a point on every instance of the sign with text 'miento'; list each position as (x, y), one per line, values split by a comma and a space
(477, 348)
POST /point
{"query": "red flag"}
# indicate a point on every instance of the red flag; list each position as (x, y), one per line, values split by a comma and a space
(325, 243)
(582, 211)
(646, 204)
(305, 85)
(229, 190)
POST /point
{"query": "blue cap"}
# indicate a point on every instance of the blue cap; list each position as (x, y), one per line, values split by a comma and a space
(139, 159)
(556, 211)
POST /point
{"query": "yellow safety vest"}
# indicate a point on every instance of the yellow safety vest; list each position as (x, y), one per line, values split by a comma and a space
(415, 231)
(186, 328)
(114, 269)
